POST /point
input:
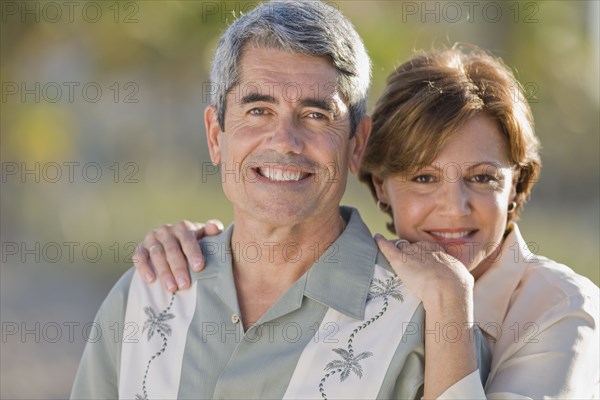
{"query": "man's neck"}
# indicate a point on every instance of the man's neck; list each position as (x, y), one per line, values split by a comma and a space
(268, 259)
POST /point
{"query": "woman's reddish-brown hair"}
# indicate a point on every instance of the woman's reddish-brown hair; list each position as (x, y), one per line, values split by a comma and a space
(432, 95)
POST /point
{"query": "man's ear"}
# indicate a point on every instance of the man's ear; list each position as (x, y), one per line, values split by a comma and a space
(358, 144)
(213, 134)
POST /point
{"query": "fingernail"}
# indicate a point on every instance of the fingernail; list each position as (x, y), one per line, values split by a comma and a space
(217, 223)
(197, 264)
(149, 277)
(170, 284)
(181, 281)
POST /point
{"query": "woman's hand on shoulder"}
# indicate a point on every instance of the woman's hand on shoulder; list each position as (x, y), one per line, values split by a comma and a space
(167, 250)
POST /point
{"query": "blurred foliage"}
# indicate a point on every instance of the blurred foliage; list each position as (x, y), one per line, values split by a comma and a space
(145, 131)
(157, 53)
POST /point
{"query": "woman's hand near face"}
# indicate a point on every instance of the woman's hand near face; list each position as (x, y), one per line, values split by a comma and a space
(445, 287)
(166, 251)
(433, 275)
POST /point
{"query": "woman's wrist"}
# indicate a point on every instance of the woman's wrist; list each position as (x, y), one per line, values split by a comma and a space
(455, 299)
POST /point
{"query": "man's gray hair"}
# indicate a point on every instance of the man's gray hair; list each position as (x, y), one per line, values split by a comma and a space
(306, 27)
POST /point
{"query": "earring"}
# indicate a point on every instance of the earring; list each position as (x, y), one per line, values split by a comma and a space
(512, 206)
(379, 203)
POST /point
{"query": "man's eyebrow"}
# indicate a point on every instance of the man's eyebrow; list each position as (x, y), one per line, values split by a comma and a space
(256, 97)
(318, 103)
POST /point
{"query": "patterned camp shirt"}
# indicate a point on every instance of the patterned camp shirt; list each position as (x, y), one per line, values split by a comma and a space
(347, 329)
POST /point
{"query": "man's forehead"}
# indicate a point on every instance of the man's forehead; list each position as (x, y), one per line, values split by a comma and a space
(275, 91)
(269, 67)
(275, 76)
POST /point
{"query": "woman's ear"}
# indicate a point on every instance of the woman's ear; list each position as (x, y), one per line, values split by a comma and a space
(382, 195)
(213, 133)
(513, 189)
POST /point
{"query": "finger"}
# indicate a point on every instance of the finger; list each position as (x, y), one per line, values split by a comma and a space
(141, 261)
(214, 225)
(175, 259)
(161, 267)
(186, 234)
(389, 250)
(399, 258)
(198, 230)
(431, 246)
(445, 258)
(430, 251)
(400, 243)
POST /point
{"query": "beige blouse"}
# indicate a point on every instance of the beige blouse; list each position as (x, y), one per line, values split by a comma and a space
(543, 321)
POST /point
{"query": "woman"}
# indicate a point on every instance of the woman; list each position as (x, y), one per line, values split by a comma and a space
(452, 159)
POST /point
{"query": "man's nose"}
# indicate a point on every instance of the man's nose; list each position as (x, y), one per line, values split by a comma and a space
(287, 136)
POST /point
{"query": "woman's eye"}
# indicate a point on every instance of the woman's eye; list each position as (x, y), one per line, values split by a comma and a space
(424, 179)
(483, 178)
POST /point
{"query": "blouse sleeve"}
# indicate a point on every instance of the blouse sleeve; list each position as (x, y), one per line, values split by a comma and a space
(555, 356)
(549, 343)
(469, 387)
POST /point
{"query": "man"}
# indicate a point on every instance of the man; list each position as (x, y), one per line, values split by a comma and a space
(295, 300)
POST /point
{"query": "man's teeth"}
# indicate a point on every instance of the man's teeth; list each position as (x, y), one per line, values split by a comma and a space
(451, 235)
(280, 175)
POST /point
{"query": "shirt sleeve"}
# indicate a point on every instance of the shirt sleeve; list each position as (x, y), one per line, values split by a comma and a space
(98, 373)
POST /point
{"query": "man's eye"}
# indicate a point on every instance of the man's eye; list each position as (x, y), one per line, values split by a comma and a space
(425, 178)
(257, 111)
(316, 115)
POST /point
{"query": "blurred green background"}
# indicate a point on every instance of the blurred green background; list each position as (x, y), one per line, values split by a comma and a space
(102, 139)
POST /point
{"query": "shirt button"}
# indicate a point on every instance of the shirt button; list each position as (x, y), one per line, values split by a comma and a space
(235, 318)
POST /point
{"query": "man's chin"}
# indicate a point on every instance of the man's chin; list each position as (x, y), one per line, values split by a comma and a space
(281, 214)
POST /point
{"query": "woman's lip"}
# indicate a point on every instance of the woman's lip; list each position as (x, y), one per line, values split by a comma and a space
(452, 236)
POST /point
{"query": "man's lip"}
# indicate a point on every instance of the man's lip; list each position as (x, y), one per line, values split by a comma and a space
(285, 171)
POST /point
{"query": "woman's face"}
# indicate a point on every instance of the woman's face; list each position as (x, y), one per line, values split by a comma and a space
(461, 200)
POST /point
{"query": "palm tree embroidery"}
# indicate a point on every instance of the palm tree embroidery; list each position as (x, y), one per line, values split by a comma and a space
(389, 287)
(347, 364)
(350, 362)
(156, 324)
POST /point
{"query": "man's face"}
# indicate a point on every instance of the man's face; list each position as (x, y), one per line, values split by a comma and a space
(286, 147)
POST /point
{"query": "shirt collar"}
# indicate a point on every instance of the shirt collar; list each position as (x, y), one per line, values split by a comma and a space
(218, 265)
(339, 279)
(494, 289)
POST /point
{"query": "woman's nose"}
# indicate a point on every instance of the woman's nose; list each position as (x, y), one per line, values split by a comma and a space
(455, 199)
